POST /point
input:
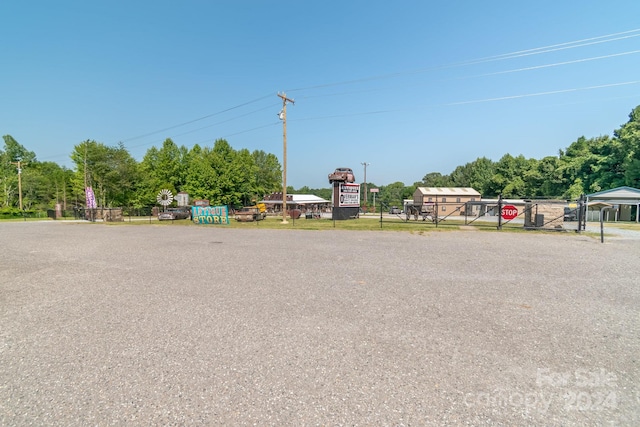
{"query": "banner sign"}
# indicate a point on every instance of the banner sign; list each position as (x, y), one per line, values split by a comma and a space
(90, 198)
(349, 195)
(210, 214)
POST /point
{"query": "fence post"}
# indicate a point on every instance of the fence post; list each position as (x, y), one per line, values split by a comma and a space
(582, 213)
(499, 211)
(466, 208)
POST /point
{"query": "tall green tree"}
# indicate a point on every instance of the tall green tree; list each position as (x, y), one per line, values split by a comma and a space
(111, 171)
(13, 153)
(395, 193)
(629, 137)
(508, 179)
(436, 179)
(224, 161)
(200, 175)
(269, 172)
(46, 185)
(164, 168)
(544, 179)
(588, 162)
(476, 174)
(226, 176)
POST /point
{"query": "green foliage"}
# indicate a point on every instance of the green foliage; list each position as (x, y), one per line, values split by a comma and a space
(629, 137)
(436, 179)
(226, 176)
(111, 171)
(586, 166)
(13, 153)
(7, 212)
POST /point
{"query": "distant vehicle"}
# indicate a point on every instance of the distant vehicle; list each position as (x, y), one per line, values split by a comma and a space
(342, 174)
(174, 213)
(252, 213)
(570, 214)
(395, 210)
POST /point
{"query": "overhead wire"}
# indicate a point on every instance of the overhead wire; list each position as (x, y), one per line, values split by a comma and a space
(476, 101)
(511, 55)
(551, 92)
(500, 57)
(535, 67)
(556, 64)
(208, 126)
(198, 119)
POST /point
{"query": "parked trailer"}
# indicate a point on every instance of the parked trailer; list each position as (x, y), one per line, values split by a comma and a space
(425, 211)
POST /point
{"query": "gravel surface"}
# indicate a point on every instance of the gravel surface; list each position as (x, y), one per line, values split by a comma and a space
(169, 325)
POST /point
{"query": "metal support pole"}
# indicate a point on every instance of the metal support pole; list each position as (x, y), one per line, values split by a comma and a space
(365, 164)
(499, 211)
(614, 208)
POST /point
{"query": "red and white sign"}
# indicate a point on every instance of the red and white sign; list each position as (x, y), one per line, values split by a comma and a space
(509, 212)
(349, 195)
(374, 190)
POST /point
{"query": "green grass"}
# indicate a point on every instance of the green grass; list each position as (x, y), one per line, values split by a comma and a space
(623, 225)
(369, 223)
(365, 223)
(19, 219)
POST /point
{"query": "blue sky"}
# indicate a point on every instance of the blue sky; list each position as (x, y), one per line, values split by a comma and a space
(410, 87)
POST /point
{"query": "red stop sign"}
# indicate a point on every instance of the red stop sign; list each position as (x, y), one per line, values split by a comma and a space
(509, 212)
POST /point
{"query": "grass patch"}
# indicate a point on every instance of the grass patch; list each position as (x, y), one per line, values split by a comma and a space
(368, 223)
(364, 223)
(634, 226)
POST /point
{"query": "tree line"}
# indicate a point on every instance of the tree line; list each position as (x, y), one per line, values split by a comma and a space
(232, 177)
(220, 174)
(586, 166)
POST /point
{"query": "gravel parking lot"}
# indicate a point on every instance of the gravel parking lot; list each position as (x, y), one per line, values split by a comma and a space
(169, 325)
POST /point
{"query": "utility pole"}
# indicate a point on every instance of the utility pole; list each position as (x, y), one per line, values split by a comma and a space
(365, 164)
(283, 117)
(19, 165)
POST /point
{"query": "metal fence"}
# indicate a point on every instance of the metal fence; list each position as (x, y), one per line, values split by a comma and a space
(80, 213)
(527, 214)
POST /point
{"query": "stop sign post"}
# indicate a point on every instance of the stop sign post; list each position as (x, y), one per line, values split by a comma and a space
(509, 212)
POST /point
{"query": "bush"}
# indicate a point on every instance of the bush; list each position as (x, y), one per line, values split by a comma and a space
(8, 212)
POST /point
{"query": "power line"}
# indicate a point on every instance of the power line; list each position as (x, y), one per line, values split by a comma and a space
(500, 57)
(477, 101)
(556, 64)
(535, 67)
(552, 92)
(208, 126)
(547, 49)
(196, 120)
(540, 50)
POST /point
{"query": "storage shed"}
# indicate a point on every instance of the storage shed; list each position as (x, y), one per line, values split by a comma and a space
(627, 198)
(448, 198)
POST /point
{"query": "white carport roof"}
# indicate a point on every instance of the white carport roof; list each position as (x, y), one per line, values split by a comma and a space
(306, 199)
(620, 195)
(299, 199)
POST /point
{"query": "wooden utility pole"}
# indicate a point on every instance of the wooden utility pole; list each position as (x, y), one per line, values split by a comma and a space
(366, 195)
(283, 117)
(19, 165)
